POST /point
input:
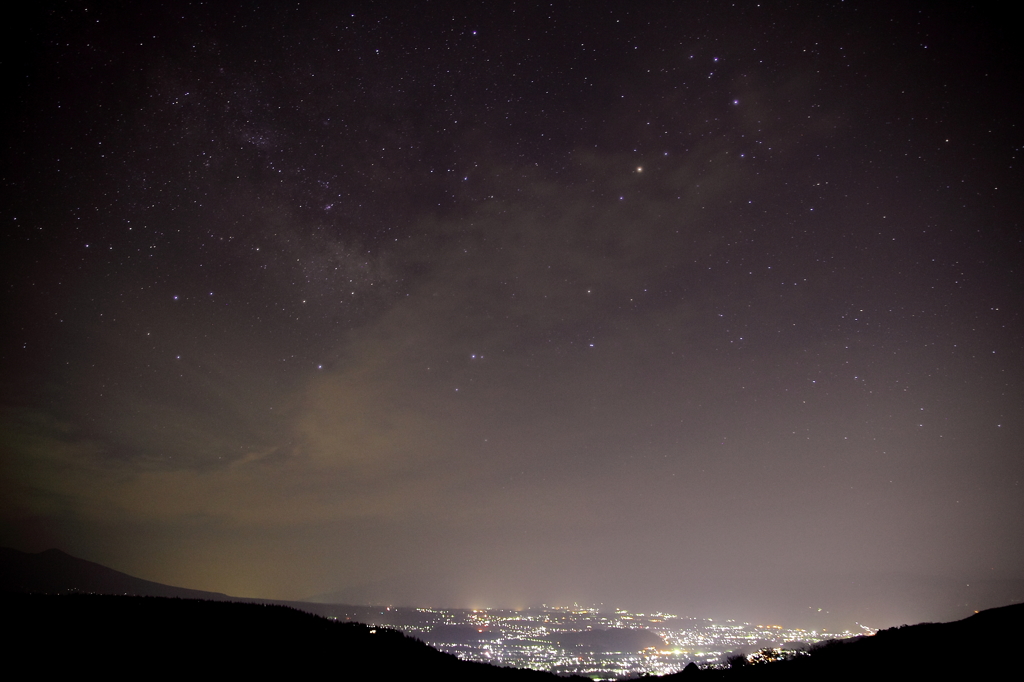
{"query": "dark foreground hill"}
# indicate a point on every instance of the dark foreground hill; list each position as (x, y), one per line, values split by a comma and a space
(71, 616)
(155, 637)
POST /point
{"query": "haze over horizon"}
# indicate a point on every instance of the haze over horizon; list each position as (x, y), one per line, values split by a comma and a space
(706, 309)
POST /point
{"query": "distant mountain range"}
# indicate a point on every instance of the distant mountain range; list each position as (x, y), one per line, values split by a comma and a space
(66, 622)
(54, 572)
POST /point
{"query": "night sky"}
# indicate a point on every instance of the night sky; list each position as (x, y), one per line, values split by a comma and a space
(706, 307)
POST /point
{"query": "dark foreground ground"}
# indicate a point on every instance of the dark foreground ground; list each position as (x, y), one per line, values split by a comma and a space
(154, 637)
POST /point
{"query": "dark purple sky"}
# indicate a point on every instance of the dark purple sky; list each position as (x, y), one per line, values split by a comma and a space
(706, 307)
